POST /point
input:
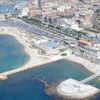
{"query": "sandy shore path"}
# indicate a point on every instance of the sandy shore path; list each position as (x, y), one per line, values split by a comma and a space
(92, 67)
(35, 58)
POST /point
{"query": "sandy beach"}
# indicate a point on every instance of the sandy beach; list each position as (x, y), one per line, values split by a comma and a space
(36, 59)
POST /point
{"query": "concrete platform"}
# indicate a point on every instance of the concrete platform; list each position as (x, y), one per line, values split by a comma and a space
(74, 89)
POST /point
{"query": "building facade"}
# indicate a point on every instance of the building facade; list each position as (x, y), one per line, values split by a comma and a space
(89, 50)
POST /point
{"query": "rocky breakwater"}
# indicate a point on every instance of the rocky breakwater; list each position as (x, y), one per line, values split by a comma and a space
(72, 90)
(3, 77)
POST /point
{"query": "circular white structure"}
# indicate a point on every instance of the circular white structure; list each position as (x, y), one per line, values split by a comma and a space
(74, 89)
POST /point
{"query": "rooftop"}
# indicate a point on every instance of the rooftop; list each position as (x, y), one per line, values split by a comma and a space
(86, 41)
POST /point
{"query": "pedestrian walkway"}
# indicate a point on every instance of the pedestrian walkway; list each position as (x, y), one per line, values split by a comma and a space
(90, 78)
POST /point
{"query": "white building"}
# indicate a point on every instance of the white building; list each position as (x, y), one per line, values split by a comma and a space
(92, 52)
(64, 7)
(89, 49)
(25, 11)
(71, 23)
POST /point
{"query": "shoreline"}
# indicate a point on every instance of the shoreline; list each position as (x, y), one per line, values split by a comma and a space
(93, 68)
(36, 59)
(72, 89)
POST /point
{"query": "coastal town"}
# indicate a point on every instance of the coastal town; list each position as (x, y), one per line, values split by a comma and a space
(51, 30)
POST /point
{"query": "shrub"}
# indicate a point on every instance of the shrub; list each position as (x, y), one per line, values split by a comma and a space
(64, 54)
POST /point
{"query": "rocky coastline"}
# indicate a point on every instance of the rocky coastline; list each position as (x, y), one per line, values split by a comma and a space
(51, 90)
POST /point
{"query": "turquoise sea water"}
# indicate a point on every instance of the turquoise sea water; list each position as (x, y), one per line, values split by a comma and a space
(9, 8)
(6, 8)
(24, 86)
(12, 53)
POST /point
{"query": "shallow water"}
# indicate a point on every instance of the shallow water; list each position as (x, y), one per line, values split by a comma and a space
(6, 9)
(24, 85)
(12, 54)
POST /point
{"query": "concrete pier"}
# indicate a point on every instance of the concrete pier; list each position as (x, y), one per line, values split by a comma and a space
(74, 89)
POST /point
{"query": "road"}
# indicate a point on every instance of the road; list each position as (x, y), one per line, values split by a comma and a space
(22, 25)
